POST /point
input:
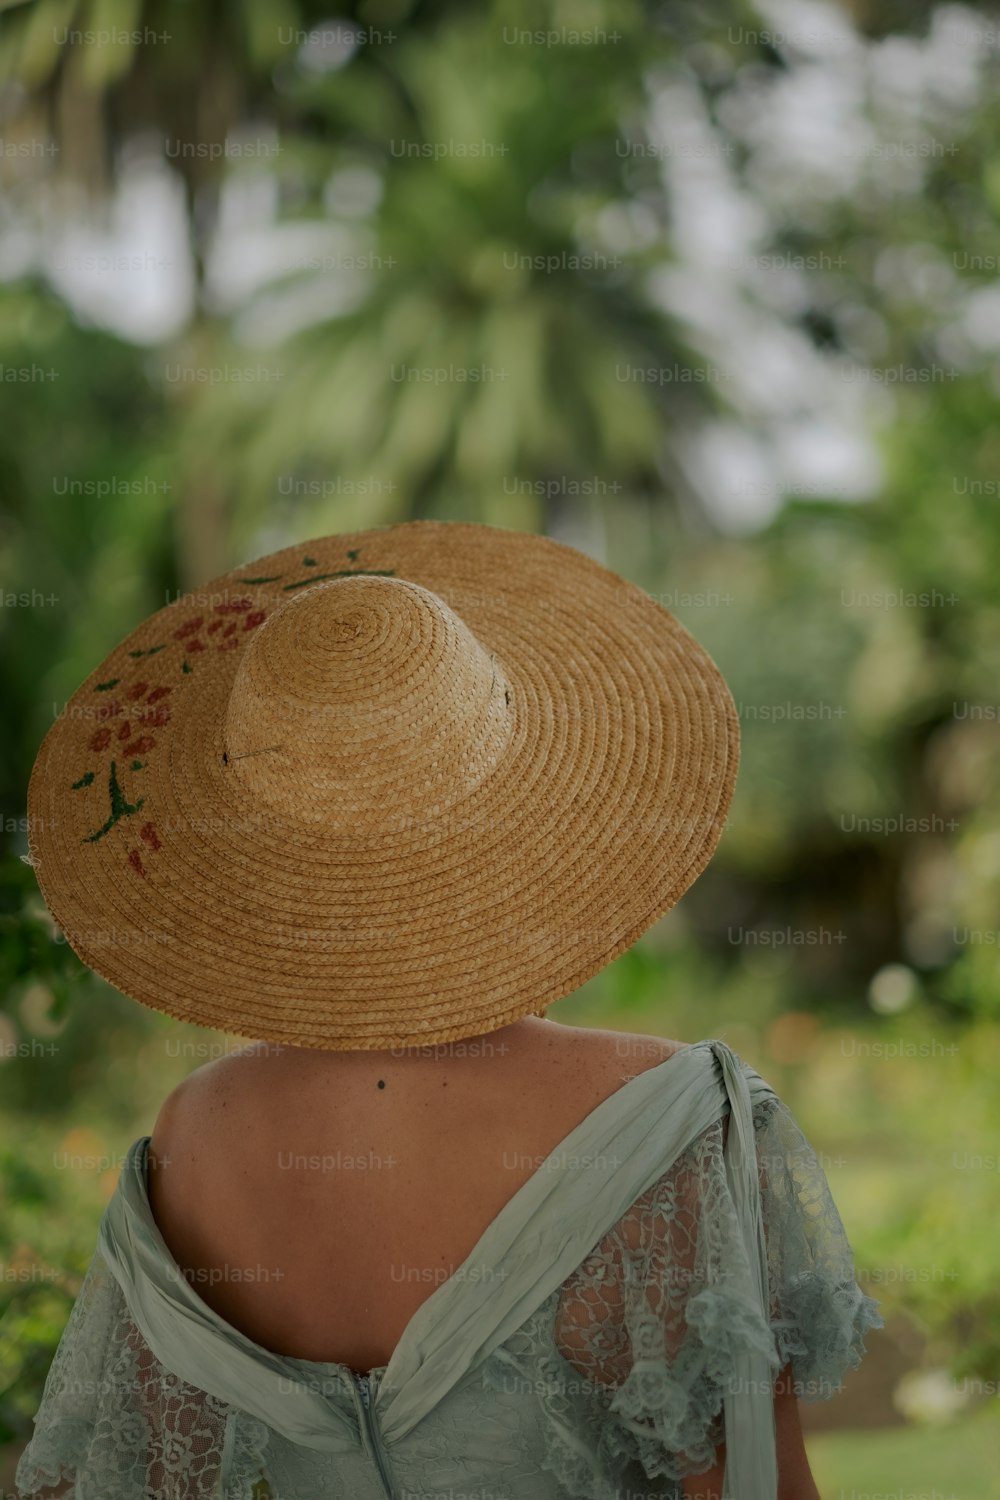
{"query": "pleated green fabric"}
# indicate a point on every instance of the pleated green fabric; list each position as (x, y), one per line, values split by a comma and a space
(625, 1312)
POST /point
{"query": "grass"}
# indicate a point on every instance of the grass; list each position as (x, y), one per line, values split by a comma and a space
(958, 1462)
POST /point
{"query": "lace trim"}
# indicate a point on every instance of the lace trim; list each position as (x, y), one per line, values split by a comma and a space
(112, 1419)
(642, 1337)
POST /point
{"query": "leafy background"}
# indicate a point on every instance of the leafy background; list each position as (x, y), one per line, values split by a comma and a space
(788, 214)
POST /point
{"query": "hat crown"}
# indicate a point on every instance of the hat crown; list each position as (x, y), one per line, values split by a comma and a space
(365, 704)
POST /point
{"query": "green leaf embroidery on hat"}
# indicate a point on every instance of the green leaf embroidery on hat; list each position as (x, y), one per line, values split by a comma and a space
(186, 667)
(151, 652)
(102, 687)
(139, 765)
(120, 807)
(312, 562)
(85, 780)
(342, 573)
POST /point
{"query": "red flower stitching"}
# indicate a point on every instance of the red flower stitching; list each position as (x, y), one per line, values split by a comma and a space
(154, 712)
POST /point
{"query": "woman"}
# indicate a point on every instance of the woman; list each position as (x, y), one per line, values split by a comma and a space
(377, 802)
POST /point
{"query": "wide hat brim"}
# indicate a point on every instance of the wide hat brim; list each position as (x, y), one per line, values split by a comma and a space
(606, 805)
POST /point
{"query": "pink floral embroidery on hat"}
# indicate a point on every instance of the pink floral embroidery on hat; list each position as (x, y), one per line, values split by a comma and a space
(148, 708)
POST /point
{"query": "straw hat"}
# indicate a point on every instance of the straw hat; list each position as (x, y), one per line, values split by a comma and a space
(386, 789)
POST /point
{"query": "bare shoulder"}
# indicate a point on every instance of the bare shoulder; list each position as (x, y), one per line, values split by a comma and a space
(183, 1119)
(635, 1044)
(216, 1110)
(615, 1057)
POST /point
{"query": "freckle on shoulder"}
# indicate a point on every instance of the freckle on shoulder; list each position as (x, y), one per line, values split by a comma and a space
(638, 1050)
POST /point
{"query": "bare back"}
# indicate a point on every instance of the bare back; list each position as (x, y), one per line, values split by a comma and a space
(316, 1200)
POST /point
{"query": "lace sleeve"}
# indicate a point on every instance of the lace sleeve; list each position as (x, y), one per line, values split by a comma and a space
(657, 1314)
(819, 1315)
(112, 1421)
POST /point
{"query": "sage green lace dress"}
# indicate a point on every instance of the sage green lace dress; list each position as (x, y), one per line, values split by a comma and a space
(625, 1312)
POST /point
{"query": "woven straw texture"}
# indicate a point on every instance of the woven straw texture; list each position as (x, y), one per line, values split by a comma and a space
(381, 790)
